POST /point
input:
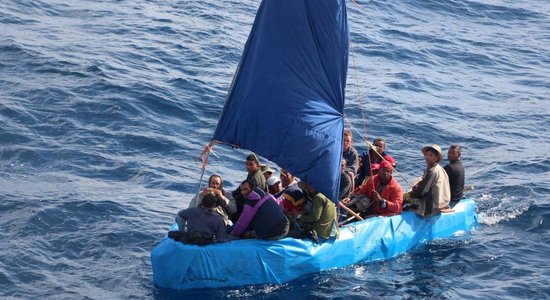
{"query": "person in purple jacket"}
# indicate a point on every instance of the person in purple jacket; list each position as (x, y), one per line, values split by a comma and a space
(262, 217)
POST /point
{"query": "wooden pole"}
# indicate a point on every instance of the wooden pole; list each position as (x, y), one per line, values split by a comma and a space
(350, 211)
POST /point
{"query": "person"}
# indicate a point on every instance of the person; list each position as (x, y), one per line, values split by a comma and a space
(375, 155)
(254, 177)
(274, 186)
(350, 155)
(384, 191)
(433, 190)
(345, 182)
(321, 221)
(202, 224)
(266, 171)
(287, 179)
(455, 171)
(226, 203)
(261, 218)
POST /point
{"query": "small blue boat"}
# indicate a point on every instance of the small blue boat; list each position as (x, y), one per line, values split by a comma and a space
(286, 103)
(254, 262)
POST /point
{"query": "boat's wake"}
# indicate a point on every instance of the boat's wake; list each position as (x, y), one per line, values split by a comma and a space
(493, 210)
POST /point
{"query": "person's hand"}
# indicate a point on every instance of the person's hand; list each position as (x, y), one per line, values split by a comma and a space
(376, 196)
(218, 193)
(346, 200)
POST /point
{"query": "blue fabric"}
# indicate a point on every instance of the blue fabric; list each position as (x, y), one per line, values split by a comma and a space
(287, 98)
(252, 262)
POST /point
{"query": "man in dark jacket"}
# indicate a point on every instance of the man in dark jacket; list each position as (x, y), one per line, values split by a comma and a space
(455, 171)
(202, 224)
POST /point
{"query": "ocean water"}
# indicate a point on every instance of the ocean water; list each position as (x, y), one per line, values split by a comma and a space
(105, 107)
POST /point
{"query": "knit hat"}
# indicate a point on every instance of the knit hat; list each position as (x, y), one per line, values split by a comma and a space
(435, 148)
(386, 164)
(374, 167)
(271, 181)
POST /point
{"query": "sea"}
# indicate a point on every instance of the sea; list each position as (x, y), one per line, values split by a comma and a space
(105, 107)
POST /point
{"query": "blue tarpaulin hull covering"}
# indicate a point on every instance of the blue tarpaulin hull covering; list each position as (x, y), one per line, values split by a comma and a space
(253, 262)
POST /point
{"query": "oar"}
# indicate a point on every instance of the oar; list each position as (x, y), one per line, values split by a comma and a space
(350, 211)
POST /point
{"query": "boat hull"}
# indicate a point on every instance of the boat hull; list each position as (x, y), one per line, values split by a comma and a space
(252, 262)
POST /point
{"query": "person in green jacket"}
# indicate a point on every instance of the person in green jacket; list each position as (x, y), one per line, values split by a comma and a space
(321, 221)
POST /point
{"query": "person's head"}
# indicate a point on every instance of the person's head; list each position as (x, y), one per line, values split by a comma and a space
(454, 153)
(432, 154)
(209, 201)
(286, 177)
(252, 163)
(385, 172)
(274, 185)
(347, 140)
(246, 188)
(215, 182)
(266, 171)
(344, 165)
(379, 144)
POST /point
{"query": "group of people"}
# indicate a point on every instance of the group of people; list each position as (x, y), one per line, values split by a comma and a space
(377, 192)
(263, 206)
(268, 207)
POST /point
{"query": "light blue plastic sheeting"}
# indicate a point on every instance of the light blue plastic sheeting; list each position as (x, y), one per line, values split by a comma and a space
(252, 262)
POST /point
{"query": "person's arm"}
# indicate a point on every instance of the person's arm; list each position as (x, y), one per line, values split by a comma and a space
(244, 220)
(316, 212)
(394, 201)
(231, 203)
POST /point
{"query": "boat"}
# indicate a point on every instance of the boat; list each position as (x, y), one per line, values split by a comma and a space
(286, 104)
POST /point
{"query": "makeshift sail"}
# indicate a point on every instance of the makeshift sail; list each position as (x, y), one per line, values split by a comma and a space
(287, 97)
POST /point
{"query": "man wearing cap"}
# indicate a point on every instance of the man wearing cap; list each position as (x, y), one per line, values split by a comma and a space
(433, 190)
(384, 191)
(455, 171)
(266, 171)
(274, 186)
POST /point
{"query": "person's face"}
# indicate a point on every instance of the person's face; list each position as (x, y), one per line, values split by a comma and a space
(347, 142)
(215, 183)
(274, 189)
(252, 166)
(380, 146)
(385, 174)
(286, 178)
(453, 155)
(430, 158)
(267, 175)
(245, 189)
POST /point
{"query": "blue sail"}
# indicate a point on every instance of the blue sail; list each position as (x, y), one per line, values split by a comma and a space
(287, 97)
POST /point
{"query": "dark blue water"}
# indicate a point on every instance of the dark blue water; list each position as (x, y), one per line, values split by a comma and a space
(106, 105)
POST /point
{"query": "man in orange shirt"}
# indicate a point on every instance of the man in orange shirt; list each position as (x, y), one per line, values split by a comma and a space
(384, 191)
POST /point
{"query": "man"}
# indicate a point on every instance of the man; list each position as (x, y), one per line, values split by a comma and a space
(256, 180)
(226, 203)
(375, 155)
(266, 171)
(261, 218)
(274, 186)
(384, 191)
(350, 155)
(345, 182)
(287, 179)
(321, 221)
(433, 190)
(200, 225)
(455, 171)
